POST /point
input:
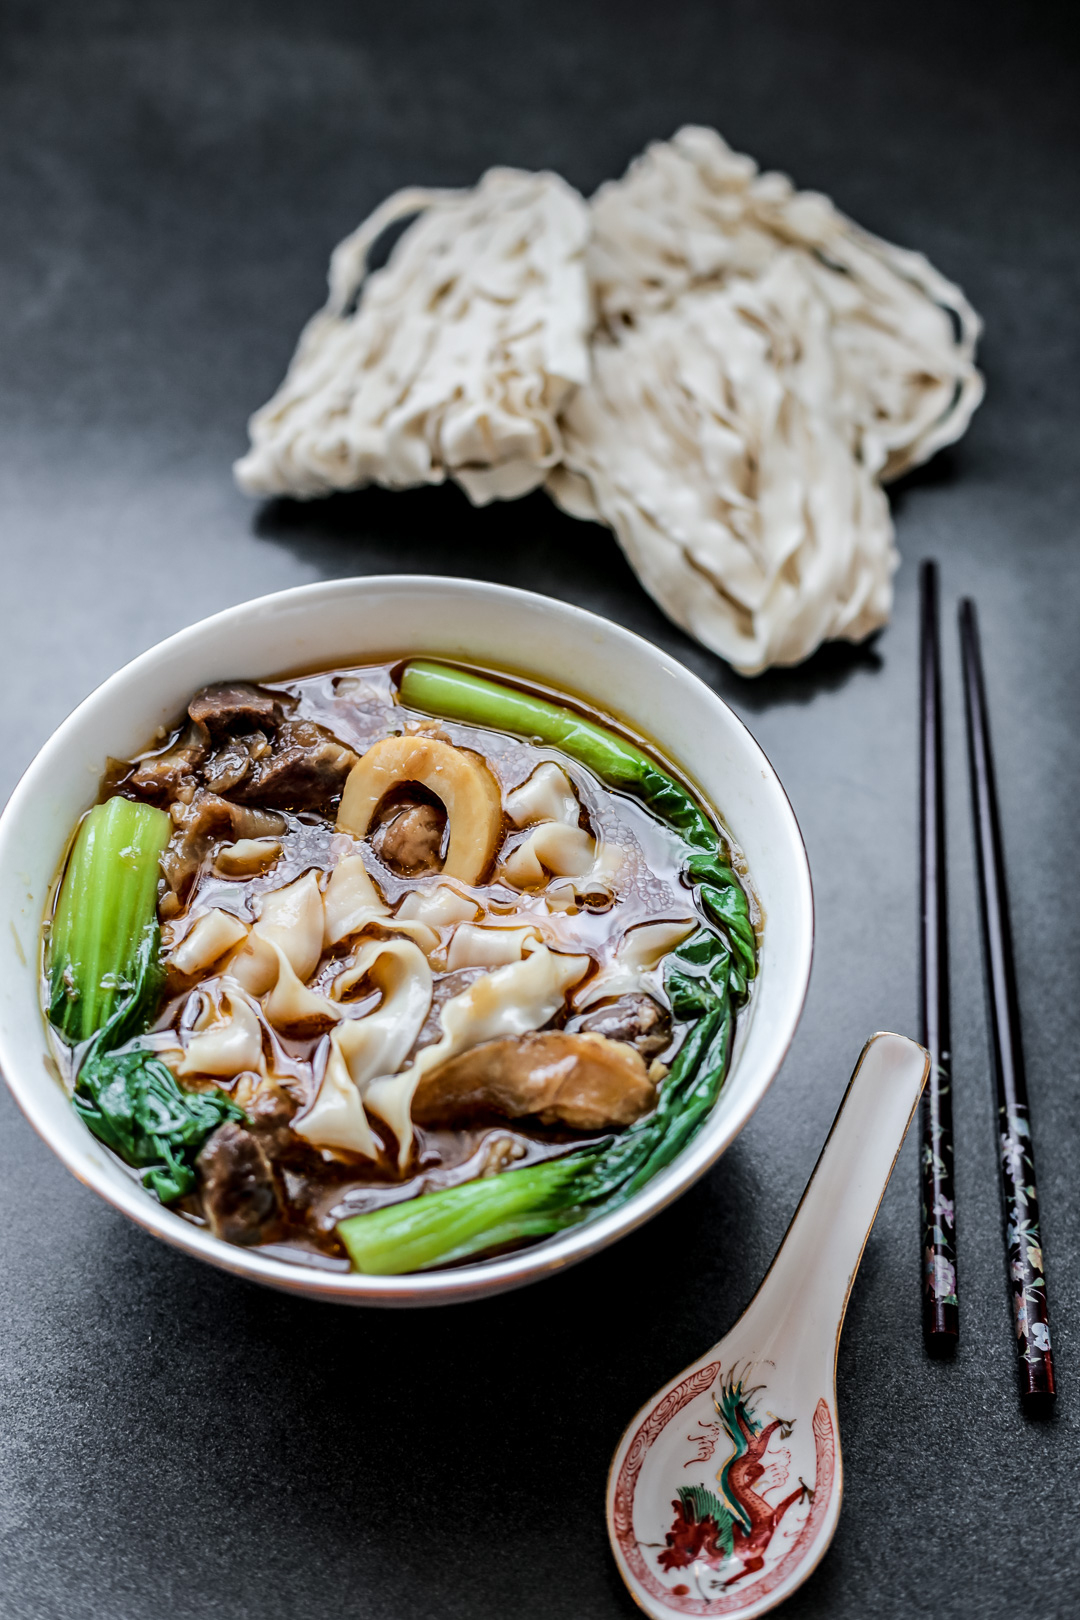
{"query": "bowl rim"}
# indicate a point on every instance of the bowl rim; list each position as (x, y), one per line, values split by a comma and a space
(472, 1279)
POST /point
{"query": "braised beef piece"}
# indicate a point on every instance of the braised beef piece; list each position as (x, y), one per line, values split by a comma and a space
(636, 1019)
(411, 839)
(241, 1195)
(160, 775)
(207, 818)
(305, 769)
(230, 763)
(270, 1114)
(236, 706)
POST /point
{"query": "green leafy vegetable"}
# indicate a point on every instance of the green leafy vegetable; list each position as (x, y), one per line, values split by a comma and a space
(105, 920)
(439, 689)
(105, 983)
(132, 1103)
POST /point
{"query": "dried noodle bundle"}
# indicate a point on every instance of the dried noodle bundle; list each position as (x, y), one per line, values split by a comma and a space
(759, 364)
(453, 359)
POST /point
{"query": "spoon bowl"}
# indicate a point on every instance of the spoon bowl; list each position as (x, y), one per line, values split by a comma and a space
(725, 1490)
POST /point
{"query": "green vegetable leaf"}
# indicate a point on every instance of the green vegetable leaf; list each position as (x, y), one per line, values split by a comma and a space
(132, 1103)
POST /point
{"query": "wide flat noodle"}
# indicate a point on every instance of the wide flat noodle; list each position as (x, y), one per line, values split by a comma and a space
(453, 359)
(720, 367)
(227, 1037)
(361, 1048)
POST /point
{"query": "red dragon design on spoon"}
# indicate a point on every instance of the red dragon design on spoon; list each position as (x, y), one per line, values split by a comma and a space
(738, 1524)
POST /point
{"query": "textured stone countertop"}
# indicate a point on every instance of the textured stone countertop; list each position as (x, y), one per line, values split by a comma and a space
(175, 1443)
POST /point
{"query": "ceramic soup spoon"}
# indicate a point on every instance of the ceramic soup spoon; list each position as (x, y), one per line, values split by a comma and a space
(725, 1490)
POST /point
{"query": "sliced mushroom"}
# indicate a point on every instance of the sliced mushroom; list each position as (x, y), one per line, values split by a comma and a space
(584, 1081)
(247, 857)
(459, 779)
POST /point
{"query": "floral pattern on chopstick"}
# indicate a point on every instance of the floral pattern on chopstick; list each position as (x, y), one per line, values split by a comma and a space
(938, 1195)
(1026, 1280)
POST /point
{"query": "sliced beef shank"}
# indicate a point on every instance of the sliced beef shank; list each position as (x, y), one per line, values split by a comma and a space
(637, 1019)
(241, 1197)
(236, 705)
(229, 764)
(200, 824)
(160, 775)
(305, 769)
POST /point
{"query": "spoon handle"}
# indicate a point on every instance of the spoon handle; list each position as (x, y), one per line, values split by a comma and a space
(808, 1284)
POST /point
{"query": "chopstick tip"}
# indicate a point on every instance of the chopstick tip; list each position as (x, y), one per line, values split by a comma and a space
(1039, 1404)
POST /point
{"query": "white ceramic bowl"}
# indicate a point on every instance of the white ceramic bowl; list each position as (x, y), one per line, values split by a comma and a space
(357, 621)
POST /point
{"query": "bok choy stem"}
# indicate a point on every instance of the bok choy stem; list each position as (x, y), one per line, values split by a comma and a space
(453, 1223)
(105, 912)
(105, 982)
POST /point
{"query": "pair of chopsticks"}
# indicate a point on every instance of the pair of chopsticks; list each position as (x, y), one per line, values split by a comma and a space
(1027, 1283)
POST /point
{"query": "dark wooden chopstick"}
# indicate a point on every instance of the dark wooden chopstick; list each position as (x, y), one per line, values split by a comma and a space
(941, 1312)
(1027, 1281)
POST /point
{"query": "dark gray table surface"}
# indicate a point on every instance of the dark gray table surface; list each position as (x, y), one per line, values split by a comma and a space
(171, 182)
